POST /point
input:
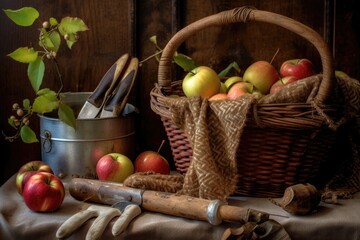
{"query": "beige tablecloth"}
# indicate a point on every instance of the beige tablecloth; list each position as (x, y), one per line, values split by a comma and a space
(329, 222)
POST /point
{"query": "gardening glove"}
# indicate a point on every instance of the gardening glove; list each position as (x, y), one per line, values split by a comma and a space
(103, 216)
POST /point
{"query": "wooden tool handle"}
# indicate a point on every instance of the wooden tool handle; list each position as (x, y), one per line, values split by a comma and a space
(162, 202)
(103, 191)
(198, 208)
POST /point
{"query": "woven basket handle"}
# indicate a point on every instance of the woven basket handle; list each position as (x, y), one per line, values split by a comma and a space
(247, 14)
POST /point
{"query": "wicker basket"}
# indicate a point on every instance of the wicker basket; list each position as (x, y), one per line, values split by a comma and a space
(282, 144)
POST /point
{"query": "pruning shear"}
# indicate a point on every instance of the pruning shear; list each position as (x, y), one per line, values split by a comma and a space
(110, 96)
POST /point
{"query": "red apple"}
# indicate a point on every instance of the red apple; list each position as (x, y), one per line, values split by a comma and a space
(282, 82)
(29, 169)
(43, 192)
(150, 161)
(201, 81)
(299, 68)
(262, 75)
(238, 89)
(218, 96)
(114, 167)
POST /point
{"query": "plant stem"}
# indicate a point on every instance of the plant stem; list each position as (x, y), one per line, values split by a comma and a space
(41, 37)
(162, 143)
(151, 56)
(276, 53)
(59, 75)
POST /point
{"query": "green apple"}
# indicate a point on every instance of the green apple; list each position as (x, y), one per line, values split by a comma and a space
(232, 80)
(257, 94)
(114, 167)
(201, 81)
(262, 75)
(223, 88)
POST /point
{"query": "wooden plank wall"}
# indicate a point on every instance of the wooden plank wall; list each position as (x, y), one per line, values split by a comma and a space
(123, 26)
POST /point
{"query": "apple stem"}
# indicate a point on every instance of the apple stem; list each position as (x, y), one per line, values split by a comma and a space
(276, 53)
(162, 143)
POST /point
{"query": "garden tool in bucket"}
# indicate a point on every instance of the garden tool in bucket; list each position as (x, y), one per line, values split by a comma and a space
(75, 152)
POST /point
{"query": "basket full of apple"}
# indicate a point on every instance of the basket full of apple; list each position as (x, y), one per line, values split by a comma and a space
(252, 134)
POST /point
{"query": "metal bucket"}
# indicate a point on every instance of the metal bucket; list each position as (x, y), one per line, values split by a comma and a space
(75, 152)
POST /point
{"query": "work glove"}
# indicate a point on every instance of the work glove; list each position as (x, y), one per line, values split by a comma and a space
(124, 211)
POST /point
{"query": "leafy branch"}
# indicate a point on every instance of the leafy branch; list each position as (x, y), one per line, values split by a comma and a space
(51, 34)
(188, 64)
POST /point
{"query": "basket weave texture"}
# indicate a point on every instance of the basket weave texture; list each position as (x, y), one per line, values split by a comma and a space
(248, 147)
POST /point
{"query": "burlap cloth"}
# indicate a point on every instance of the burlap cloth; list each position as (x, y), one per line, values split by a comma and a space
(215, 128)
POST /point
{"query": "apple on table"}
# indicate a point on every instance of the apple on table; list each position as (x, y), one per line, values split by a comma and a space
(43, 192)
(29, 169)
(115, 167)
(201, 81)
(299, 68)
(151, 161)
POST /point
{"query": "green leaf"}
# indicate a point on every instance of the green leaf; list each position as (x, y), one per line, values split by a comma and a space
(24, 55)
(66, 115)
(28, 135)
(52, 41)
(69, 44)
(46, 91)
(71, 40)
(185, 62)
(53, 22)
(153, 39)
(69, 25)
(46, 103)
(36, 72)
(26, 104)
(229, 68)
(12, 123)
(23, 17)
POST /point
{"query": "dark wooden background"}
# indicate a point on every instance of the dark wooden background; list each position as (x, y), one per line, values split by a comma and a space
(121, 26)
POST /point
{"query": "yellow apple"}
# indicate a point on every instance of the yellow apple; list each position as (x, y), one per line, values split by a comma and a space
(262, 75)
(201, 81)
